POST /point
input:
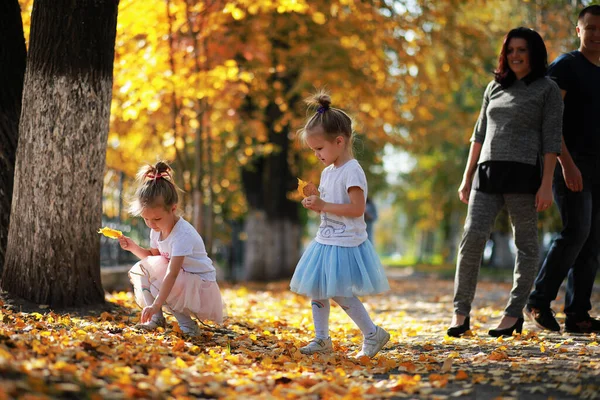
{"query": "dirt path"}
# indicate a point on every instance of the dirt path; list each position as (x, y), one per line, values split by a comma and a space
(537, 365)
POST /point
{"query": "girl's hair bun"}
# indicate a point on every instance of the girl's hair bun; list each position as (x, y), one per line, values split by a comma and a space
(319, 99)
(155, 188)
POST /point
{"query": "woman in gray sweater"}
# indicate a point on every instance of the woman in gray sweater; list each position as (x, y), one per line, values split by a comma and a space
(511, 160)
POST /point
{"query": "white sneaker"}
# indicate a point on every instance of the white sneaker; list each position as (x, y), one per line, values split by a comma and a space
(152, 325)
(374, 343)
(317, 346)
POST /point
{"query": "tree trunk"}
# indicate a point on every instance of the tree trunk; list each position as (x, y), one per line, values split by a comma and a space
(426, 247)
(273, 224)
(210, 214)
(53, 248)
(272, 247)
(451, 230)
(502, 256)
(13, 54)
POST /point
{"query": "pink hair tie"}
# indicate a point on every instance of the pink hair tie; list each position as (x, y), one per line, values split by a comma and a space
(153, 176)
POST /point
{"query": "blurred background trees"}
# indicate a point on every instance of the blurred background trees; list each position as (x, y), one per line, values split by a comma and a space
(216, 87)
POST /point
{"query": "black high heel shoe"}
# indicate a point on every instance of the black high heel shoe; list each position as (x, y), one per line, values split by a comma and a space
(459, 330)
(518, 326)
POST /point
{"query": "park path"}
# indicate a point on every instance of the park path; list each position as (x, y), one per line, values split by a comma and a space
(536, 365)
(98, 353)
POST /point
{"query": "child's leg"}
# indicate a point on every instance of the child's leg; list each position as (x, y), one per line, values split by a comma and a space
(320, 312)
(146, 293)
(186, 323)
(158, 318)
(322, 342)
(148, 298)
(356, 310)
(374, 336)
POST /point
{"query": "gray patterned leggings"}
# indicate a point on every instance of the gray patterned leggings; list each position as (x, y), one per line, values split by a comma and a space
(481, 214)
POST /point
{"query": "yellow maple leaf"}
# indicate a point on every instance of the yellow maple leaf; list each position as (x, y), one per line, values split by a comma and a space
(110, 233)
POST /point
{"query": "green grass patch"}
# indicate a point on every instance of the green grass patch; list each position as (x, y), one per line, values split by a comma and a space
(446, 271)
(443, 270)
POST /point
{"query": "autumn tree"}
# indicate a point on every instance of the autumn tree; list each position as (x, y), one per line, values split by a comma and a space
(53, 248)
(218, 85)
(457, 45)
(12, 70)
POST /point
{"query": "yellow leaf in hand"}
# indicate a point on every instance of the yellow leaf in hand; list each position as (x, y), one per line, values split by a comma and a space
(111, 233)
(307, 188)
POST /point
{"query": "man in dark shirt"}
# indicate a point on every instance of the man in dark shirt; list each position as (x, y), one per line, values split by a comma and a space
(576, 251)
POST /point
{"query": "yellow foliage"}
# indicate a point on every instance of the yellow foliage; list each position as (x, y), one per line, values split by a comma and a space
(188, 88)
(319, 18)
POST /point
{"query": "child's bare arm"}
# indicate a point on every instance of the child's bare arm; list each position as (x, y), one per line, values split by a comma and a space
(128, 244)
(172, 271)
(356, 208)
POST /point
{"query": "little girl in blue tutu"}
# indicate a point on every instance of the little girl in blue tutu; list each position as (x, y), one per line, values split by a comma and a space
(175, 272)
(341, 262)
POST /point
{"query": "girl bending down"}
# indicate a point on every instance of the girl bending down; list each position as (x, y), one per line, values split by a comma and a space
(175, 273)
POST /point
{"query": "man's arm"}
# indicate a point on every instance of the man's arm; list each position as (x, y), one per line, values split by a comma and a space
(571, 173)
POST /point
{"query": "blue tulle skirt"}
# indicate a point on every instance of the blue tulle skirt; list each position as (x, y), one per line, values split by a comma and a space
(326, 271)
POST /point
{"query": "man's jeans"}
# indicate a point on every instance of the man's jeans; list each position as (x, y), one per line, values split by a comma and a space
(576, 251)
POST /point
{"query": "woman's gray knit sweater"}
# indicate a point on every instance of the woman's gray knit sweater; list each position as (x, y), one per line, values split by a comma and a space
(521, 122)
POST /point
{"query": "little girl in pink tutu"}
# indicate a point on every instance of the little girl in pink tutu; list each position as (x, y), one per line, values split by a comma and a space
(175, 272)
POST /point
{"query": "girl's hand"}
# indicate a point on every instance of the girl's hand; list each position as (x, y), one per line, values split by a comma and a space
(543, 198)
(148, 312)
(314, 203)
(464, 191)
(126, 243)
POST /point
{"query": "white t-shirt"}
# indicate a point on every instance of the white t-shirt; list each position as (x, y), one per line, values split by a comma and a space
(184, 240)
(335, 229)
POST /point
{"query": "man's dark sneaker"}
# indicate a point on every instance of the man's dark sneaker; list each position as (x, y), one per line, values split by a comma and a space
(542, 318)
(582, 325)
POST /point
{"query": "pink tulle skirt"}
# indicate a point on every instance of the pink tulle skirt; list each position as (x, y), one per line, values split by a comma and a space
(190, 294)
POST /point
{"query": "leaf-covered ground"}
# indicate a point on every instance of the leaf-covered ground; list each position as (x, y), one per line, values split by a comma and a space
(46, 354)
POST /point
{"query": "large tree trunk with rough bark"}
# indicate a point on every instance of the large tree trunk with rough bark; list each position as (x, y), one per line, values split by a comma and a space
(13, 55)
(53, 248)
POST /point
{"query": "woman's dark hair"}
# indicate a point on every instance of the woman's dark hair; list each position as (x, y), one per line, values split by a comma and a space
(538, 56)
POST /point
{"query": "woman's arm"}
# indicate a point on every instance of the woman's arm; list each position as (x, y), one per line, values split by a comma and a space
(477, 138)
(543, 197)
(172, 271)
(464, 191)
(355, 209)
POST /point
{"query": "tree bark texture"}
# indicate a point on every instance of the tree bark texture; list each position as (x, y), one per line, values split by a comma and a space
(13, 56)
(272, 247)
(53, 248)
